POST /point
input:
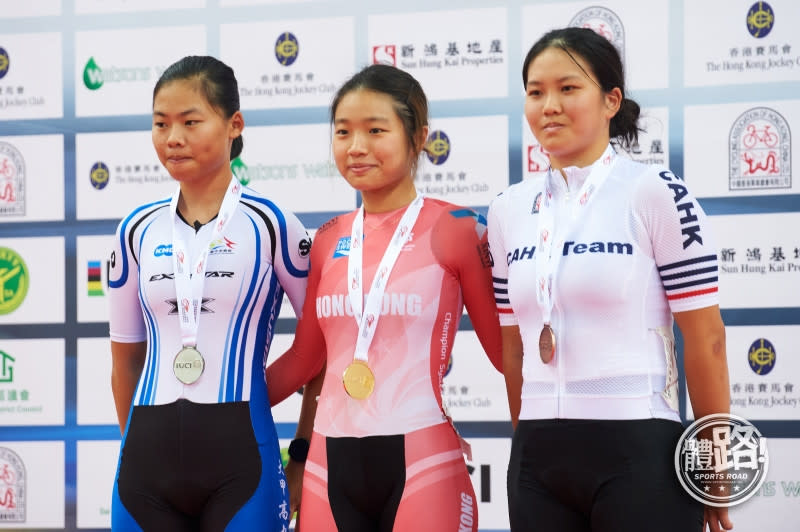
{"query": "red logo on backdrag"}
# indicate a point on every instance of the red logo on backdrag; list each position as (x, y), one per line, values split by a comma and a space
(384, 54)
(760, 151)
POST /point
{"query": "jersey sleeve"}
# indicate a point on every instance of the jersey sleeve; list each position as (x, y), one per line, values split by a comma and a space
(497, 248)
(306, 356)
(683, 246)
(126, 320)
(292, 257)
(465, 248)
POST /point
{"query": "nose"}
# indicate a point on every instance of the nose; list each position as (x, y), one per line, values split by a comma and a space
(175, 137)
(552, 103)
(358, 145)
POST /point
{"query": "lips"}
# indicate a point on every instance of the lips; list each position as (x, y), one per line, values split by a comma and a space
(359, 169)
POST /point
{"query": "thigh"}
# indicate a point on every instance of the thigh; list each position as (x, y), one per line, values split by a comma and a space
(438, 492)
(315, 508)
(531, 504)
(643, 492)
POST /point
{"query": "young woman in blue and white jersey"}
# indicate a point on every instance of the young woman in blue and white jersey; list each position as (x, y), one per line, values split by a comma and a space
(196, 285)
(592, 262)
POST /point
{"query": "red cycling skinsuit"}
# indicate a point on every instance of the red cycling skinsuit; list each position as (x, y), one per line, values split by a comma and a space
(391, 461)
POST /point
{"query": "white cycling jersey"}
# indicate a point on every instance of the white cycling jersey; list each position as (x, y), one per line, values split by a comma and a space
(640, 251)
(262, 253)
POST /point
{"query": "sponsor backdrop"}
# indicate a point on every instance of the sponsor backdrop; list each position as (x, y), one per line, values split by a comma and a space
(719, 108)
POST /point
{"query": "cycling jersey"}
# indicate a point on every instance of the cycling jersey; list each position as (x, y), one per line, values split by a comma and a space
(638, 252)
(443, 266)
(262, 253)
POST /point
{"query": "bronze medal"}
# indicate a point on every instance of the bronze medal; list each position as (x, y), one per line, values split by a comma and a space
(547, 344)
(358, 380)
(188, 365)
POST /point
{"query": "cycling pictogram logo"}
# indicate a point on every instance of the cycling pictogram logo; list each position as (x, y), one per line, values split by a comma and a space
(13, 492)
(437, 147)
(286, 48)
(760, 151)
(13, 281)
(760, 19)
(12, 181)
(761, 356)
(604, 22)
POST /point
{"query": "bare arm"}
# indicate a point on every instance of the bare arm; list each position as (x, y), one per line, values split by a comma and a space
(305, 427)
(512, 369)
(706, 366)
(127, 361)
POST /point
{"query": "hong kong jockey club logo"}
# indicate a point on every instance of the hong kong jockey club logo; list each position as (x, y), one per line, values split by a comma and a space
(721, 460)
(286, 48)
(760, 147)
(604, 22)
(761, 356)
(98, 175)
(12, 181)
(384, 54)
(437, 147)
(13, 492)
(760, 19)
(5, 62)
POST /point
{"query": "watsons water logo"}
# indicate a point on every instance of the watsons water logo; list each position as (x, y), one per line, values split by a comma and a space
(760, 19)
(760, 147)
(247, 173)
(14, 281)
(5, 62)
(13, 488)
(99, 175)
(437, 147)
(286, 48)
(604, 22)
(761, 356)
(12, 181)
(95, 77)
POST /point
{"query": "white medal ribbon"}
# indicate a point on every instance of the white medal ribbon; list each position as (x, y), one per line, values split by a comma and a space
(189, 280)
(367, 319)
(548, 251)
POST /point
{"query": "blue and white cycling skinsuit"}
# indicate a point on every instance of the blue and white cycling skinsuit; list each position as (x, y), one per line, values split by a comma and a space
(204, 456)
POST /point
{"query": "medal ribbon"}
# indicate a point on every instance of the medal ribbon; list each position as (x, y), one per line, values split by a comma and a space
(367, 319)
(189, 280)
(548, 252)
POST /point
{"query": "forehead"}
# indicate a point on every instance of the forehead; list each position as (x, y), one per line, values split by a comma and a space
(363, 104)
(554, 62)
(180, 94)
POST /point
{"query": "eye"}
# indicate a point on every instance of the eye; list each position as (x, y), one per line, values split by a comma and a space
(534, 93)
(192, 122)
(340, 132)
(159, 125)
(568, 88)
(376, 130)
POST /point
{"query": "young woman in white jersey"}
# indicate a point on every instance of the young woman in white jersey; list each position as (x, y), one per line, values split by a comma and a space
(199, 448)
(592, 261)
(386, 290)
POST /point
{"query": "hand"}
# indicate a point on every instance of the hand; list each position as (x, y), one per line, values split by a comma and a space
(294, 477)
(717, 519)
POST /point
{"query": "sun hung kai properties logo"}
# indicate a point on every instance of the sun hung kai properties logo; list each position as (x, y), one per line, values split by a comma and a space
(95, 76)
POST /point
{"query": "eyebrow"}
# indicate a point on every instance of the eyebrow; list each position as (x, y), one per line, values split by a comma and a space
(182, 113)
(559, 80)
(368, 119)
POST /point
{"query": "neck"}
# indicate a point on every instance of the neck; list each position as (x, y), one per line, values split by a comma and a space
(377, 201)
(201, 201)
(582, 160)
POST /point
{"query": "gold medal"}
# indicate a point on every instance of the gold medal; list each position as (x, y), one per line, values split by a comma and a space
(547, 343)
(358, 380)
(188, 365)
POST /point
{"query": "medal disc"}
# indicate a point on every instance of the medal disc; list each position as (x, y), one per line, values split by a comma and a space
(358, 380)
(188, 365)
(547, 344)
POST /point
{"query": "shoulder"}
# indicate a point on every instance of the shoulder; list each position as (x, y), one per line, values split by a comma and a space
(145, 212)
(258, 202)
(453, 214)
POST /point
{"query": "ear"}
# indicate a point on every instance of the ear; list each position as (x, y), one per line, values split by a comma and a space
(422, 137)
(613, 99)
(236, 125)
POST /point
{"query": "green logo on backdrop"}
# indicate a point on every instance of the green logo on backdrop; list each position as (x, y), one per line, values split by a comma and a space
(13, 280)
(92, 75)
(239, 170)
(6, 367)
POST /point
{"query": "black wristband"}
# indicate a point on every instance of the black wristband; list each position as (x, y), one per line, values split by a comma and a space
(298, 450)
